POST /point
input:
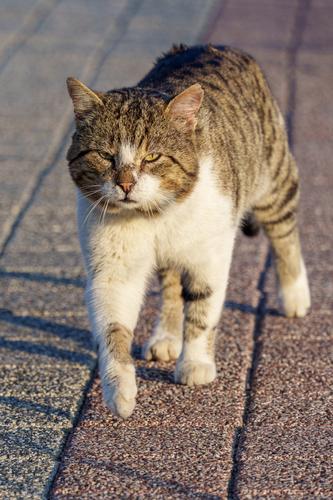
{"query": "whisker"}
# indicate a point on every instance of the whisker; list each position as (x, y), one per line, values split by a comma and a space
(93, 208)
(92, 186)
(100, 220)
(91, 192)
(105, 210)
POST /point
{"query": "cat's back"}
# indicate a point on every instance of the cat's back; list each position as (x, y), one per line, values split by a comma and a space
(217, 68)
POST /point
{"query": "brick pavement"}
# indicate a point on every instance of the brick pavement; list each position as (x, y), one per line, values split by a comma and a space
(260, 430)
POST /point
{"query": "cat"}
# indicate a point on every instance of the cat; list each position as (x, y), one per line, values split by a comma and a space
(166, 172)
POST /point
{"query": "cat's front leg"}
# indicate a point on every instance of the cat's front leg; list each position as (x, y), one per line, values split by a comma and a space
(117, 370)
(196, 364)
(166, 342)
(204, 293)
(115, 295)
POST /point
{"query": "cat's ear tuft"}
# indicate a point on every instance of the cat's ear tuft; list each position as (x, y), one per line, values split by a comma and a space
(84, 99)
(183, 109)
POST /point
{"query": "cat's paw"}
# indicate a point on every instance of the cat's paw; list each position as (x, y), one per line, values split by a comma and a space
(195, 373)
(164, 348)
(296, 297)
(119, 390)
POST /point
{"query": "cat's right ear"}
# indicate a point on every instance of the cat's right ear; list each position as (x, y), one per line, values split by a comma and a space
(84, 99)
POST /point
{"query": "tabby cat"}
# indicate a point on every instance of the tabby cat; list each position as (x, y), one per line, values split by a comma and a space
(167, 170)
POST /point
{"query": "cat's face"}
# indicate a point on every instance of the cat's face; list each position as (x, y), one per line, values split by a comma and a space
(133, 149)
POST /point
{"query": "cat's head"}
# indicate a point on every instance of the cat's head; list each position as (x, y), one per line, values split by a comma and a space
(133, 148)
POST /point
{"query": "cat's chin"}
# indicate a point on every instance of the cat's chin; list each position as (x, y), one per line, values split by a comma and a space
(135, 207)
(130, 208)
(128, 204)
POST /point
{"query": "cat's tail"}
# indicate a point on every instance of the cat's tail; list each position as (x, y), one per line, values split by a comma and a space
(249, 225)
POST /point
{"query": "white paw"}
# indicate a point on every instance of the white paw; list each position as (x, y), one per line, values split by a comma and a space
(162, 348)
(296, 296)
(119, 389)
(195, 373)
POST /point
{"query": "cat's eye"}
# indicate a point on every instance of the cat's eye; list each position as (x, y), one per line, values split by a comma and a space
(106, 156)
(152, 157)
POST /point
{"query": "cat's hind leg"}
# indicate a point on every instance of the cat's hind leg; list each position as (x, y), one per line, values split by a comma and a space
(166, 342)
(277, 214)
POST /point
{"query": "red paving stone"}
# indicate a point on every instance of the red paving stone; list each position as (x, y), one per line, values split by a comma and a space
(287, 447)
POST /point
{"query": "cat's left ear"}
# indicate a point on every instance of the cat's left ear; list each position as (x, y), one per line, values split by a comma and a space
(84, 99)
(183, 108)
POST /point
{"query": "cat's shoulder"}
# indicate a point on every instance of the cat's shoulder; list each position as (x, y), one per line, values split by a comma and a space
(199, 55)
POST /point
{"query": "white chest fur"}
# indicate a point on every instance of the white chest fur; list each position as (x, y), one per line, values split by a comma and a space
(193, 231)
(188, 233)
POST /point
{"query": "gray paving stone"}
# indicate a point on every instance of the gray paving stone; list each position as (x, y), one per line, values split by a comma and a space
(169, 22)
(13, 15)
(35, 120)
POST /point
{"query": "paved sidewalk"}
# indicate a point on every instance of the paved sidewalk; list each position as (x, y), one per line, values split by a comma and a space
(264, 427)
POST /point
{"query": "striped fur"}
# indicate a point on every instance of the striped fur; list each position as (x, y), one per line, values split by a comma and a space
(167, 170)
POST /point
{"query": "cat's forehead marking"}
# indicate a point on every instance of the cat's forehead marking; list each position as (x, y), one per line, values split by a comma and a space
(127, 153)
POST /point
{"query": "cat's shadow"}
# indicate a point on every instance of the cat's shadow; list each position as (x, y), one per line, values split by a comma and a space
(151, 373)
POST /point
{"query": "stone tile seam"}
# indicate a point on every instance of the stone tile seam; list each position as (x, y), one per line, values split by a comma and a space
(292, 52)
(256, 349)
(90, 74)
(216, 12)
(303, 7)
(31, 24)
(68, 435)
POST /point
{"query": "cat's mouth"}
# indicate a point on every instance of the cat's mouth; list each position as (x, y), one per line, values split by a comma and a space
(127, 200)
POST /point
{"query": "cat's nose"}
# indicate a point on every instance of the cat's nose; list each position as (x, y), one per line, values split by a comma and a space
(126, 186)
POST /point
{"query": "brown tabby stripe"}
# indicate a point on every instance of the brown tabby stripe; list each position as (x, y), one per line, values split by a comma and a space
(235, 179)
(81, 154)
(213, 87)
(236, 102)
(235, 62)
(118, 340)
(279, 164)
(282, 182)
(281, 202)
(283, 218)
(286, 234)
(290, 194)
(191, 296)
(196, 322)
(189, 174)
